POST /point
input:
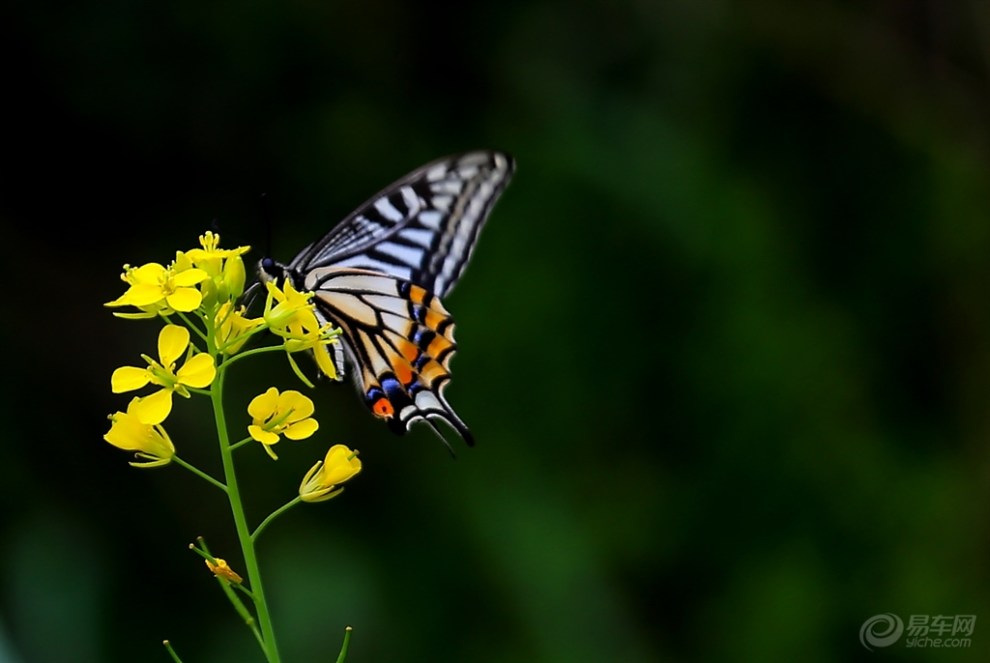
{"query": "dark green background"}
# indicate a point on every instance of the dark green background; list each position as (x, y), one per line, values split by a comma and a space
(724, 343)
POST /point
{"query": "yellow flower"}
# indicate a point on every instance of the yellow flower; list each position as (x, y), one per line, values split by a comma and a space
(210, 257)
(155, 289)
(129, 433)
(322, 481)
(197, 372)
(276, 414)
(292, 304)
(304, 332)
(221, 570)
(294, 319)
(233, 328)
(224, 268)
(232, 278)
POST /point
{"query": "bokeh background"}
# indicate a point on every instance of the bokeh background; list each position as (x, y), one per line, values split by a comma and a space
(724, 342)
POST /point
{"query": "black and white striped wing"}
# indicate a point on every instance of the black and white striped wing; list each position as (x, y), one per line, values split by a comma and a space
(420, 229)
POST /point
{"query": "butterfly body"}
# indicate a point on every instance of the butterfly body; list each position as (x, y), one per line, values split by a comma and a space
(380, 275)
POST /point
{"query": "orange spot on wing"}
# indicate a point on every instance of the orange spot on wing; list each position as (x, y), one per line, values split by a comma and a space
(383, 408)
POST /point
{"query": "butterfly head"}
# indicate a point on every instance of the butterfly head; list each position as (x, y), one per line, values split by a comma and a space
(268, 269)
(271, 270)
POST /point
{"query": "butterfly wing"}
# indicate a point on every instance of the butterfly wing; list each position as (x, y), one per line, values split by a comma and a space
(380, 273)
(398, 335)
(423, 227)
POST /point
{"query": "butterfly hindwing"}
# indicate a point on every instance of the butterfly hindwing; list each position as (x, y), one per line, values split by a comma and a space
(398, 335)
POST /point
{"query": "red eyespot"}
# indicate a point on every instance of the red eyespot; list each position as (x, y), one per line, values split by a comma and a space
(383, 408)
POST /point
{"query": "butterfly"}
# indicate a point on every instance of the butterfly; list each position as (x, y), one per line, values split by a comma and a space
(380, 276)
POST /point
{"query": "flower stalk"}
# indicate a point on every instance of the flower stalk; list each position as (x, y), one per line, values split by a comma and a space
(240, 522)
(198, 294)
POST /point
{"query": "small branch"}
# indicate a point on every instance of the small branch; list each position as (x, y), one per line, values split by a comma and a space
(253, 351)
(273, 515)
(171, 652)
(241, 443)
(343, 647)
(228, 590)
(200, 473)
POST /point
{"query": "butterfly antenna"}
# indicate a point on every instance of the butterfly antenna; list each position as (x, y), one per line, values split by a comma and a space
(250, 295)
(264, 205)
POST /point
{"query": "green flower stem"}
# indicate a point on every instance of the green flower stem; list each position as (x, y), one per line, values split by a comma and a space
(241, 609)
(241, 338)
(201, 474)
(193, 326)
(171, 652)
(273, 515)
(343, 647)
(241, 443)
(240, 521)
(298, 371)
(251, 352)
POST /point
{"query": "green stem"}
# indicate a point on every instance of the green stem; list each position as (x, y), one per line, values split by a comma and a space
(171, 652)
(251, 352)
(240, 521)
(242, 338)
(241, 609)
(198, 472)
(343, 648)
(241, 443)
(193, 326)
(273, 515)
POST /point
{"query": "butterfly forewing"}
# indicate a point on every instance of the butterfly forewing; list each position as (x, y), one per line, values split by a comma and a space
(422, 228)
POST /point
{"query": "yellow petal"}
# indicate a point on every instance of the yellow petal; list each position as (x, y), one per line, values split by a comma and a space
(189, 277)
(198, 372)
(185, 299)
(152, 409)
(320, 483)
(261, 435)
(120, 301)
(126, 432)
(172, 342)
(234, 276)
(300, 405)
(143, 294)
(340, 465)
(325, 362)
(151, 442)
(302, 429)
(152, 273)
(128, 378)
(263, 405)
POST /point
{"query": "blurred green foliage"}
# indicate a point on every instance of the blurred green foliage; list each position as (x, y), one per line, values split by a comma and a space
(724, 344)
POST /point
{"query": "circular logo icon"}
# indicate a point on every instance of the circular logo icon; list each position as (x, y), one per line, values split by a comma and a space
(881, 630)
